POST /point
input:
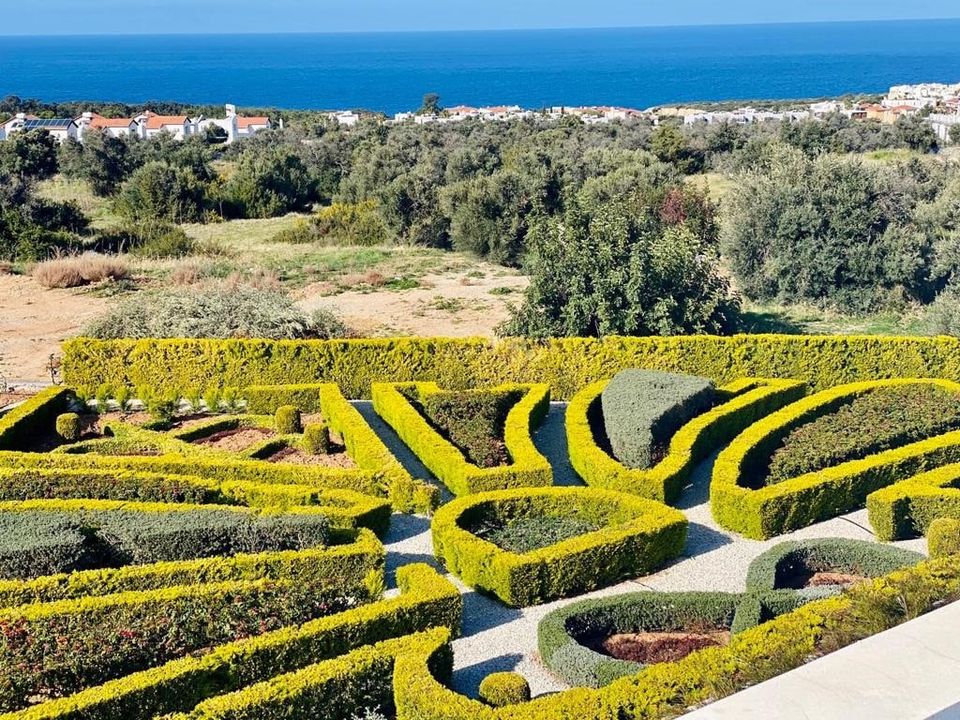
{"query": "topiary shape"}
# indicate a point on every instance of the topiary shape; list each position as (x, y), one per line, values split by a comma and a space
(504, 688)
(316, 439)
(69, 426)
(288, 420)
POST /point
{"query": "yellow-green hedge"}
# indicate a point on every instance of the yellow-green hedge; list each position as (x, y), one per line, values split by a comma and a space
(908, 508)
(347, 566)
(812, 497)
(344, 508)
(426, 601)
(665, 690)
(21, 424)
(566, 365)
(749, 401)
(943, 537)
(528, 467)
(636, 537)
(368, 451)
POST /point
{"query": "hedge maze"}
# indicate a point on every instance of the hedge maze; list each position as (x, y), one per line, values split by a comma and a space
(193, 530)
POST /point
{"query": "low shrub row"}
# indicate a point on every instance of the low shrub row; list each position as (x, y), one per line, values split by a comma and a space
(748, 401)
(636, 537)
(344, 508)
(528, 467)
(740, 501)
(426, 601)
(907, 509)
(347, 565)
(642, 409)
(567, 365)
(20, 426)
(60, 536)
(669, 689)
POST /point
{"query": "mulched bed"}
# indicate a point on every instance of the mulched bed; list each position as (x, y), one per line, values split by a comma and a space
(820, 578)
(295, 456)
(236, 440)
(658, 647)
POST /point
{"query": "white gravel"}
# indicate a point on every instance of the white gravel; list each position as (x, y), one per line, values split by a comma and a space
(497, 638)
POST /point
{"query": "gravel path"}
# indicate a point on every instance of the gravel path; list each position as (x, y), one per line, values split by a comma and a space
(498, 638)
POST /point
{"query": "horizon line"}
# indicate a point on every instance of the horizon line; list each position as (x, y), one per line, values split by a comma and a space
(664, 26)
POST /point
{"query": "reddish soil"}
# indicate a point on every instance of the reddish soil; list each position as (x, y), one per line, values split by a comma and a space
(294, 456)
(658, 647)
(236, 440)
(9, 398)
(807, 579)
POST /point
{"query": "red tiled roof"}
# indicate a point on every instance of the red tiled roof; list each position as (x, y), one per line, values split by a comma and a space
(157, 122)
(99, 122)
(246, 122)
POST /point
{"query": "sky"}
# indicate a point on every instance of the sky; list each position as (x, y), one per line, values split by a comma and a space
(70, 17)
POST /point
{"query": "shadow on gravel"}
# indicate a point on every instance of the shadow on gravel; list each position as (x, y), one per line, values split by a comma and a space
(403, 527)
(467, 680)
(701, 540)
(482, 613)
(551, 440)
(697, 492)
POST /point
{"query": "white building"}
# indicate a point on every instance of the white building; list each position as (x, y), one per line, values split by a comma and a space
(61, 129)
(941, 125)
(114, 127)
(179, 126)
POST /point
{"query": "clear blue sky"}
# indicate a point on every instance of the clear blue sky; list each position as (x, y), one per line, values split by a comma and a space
(54, 17)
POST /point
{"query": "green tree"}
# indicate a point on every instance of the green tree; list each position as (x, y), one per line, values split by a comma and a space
(159, 191)
(431, 105)
(269, 183)
(624, 267)
(29, 155)
(670, 145)
(954, 134)
(102, 160)
(916, 133)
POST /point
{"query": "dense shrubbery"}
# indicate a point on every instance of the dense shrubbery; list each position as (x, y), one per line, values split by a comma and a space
(874, 422)
(217, 313)
(642, 409)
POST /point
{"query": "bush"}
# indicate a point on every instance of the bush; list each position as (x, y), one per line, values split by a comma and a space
(636, 537)
(883, 419)
(21, 426)
(218, 313)
(316, 439)
(287, 420)
(350, 224)
(642, 409)
(447, 461)
(77, 270)
(943, 537)
(504, 688)
(159, 191)
(269, 182)
(69, 426)
(747, 401)
(942, 316)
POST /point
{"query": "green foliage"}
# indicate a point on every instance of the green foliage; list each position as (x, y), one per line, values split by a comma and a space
(22, 425)
(353, 224)
(835, 231)
(29, 155)
(69, 426)
(643, 265)
(670, 145)
(316, 439)
(943, 537)
(220, 312)
(880, 420)
(642, 409)
(269, 182)
(287, 420)
(636, 537)
(472, 420)
(525, 534)
(160, 191)
(504, 688)
(102, 160)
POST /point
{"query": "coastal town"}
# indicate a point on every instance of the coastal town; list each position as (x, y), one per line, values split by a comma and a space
(937, 103)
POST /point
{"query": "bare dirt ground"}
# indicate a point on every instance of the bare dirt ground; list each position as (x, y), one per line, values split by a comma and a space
(456, 303)
(33, 323)
(450, 304)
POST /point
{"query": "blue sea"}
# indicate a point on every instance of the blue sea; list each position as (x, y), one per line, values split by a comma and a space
(637, 67)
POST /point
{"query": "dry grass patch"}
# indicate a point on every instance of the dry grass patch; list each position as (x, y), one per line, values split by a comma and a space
(76, 270)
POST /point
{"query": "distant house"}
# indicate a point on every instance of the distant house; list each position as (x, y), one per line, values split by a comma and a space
(114, 127)
(151, 125)
(60, 128)
(346, 118)
(247, 126)
(235, 126)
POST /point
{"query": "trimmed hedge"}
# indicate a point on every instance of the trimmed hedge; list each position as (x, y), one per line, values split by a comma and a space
(666, 690)
(775, 509)
(908, 508)
(642, 409)
(566, 365)
(49, 537)
(560, 634)
(267, 399)
(528, 468)
(426, 601)
(855, 557)
(750, 400)
(35, 415)
(500, 689)
(943, 537)
(346, 565)
(637, 537)
(344, 508)
(68, 426)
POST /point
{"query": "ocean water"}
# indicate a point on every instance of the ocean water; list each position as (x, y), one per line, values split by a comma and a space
(637, 67)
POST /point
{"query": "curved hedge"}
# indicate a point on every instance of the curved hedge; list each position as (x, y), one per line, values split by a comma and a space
(864, 558)
(17, 426)
(636, 537)
(908, 508)
(567, 365)
(528, 467)
(748, 401)
(666, 690)
(816, 496)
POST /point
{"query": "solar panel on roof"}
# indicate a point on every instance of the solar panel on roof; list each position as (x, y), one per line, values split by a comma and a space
(47, 124)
